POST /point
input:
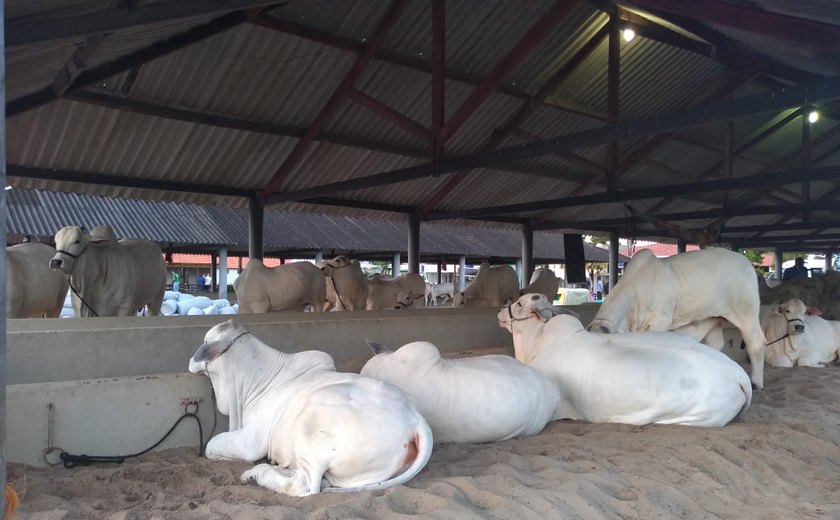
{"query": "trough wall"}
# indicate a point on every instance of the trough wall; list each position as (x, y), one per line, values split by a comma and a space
(116, 384)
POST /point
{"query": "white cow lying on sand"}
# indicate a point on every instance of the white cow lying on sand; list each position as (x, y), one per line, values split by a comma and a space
(797, 335)
(634, 378)
(33, 290)
(493, 286)
(544, 282)
(478, 399)
(113, 278)
(406, 290)
(289, 287)
(660, 294)
(445, 290)
(318, 427)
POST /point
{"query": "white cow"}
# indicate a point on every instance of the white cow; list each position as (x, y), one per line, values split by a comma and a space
(347, 282)
(406, 290)
(634, 378)
(322, 430)
(544, 282)
(289, 287)
(33, 290)
(445, 290)
(110, 278)
(661, 294)
(493, 286)
(478, 399)
(797, 335)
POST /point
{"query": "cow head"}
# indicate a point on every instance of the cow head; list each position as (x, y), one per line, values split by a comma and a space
(335, 263)
(70, 243)
(794, 312)
(529, 306)
(460, 299)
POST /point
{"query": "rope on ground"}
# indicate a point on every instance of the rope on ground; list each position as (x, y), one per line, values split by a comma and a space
(12, 503)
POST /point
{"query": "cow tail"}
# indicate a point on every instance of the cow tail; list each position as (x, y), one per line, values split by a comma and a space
(423, 442)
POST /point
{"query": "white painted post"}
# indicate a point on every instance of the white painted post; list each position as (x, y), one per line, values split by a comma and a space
(462, 273)
(223, 273)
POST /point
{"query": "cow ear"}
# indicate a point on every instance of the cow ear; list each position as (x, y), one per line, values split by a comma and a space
(813, 311)
(538, 315)
(208, 351)
(377, 348)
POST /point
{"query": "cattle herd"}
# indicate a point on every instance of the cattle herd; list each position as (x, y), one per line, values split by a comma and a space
(652, 354)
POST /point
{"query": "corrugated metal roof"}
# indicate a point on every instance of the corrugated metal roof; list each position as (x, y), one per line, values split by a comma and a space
(42, 213)
(258, 74)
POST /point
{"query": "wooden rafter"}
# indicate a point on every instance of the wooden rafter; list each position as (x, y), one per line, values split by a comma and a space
(317, 124)
(389, 114)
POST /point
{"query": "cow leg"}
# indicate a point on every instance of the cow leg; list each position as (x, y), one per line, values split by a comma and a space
(248, 445)
(298, 482)
(754, 339)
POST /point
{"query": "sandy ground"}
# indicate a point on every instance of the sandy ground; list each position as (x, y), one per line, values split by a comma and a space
(781, 460)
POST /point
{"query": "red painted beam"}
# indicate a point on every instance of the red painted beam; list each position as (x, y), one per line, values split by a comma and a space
(520, 52)
(746, 18)
(388, 113)
(335, 100)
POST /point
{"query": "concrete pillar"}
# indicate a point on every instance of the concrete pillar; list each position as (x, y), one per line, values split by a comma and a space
(256, 213)
(829, 261)
(214, 277)
(462, 273)
(414, 243)
(777, 262)
(527, 258)
(3, 262)
(223, 273)
(613, 260)
(681, 246)
(440, 266)
(518, 268)
(319, 256)
(395, 264)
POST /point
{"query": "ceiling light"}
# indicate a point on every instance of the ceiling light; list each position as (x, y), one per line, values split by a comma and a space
(628, 34)
(8, 188)
(813, 116)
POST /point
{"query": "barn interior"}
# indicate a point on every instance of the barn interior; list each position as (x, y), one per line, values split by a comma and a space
(712, 123)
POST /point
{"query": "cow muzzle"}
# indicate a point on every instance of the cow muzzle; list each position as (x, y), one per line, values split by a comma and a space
(55, 263)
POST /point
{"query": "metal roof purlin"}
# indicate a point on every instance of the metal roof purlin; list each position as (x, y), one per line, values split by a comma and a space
(129, 61)
(384, 26)
(812, 92)
(521, 115)
(775, 25)
(389, 114)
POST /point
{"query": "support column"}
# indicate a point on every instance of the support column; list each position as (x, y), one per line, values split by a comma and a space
(440, 266)
(319, 256)
(829, 261)
(223, 273)
(395, 264)
(414, 242)
(777, 262)
(3, 261)
(462, 273)
(681, 246)
(213, 275)
(806, 161)
(256, 213)
(613, 260)
(613, 97)
(527, 257)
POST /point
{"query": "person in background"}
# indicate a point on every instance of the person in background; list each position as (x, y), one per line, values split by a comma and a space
(176, 281)
(599, 289)
(208, 281)
(200, 282)
(797, 271)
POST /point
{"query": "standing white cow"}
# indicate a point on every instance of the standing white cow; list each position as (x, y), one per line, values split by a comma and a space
(544, 282)
(798, 336)
(661, 294)
(289, 287)
(633, 378)
(33, 290)
(406, 290)
(478, 399)
(493, 286)
(315, 424)
(445, 290)
(110, 278)
(347, 282)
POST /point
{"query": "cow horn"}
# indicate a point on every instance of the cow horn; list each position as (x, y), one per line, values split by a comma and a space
(377, 348)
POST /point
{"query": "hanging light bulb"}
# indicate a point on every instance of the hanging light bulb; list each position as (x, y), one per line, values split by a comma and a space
(813, 116)
(628, 34)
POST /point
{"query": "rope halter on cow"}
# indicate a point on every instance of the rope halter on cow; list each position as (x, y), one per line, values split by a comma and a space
(788, 334)
(230, 344)
(70, 277)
